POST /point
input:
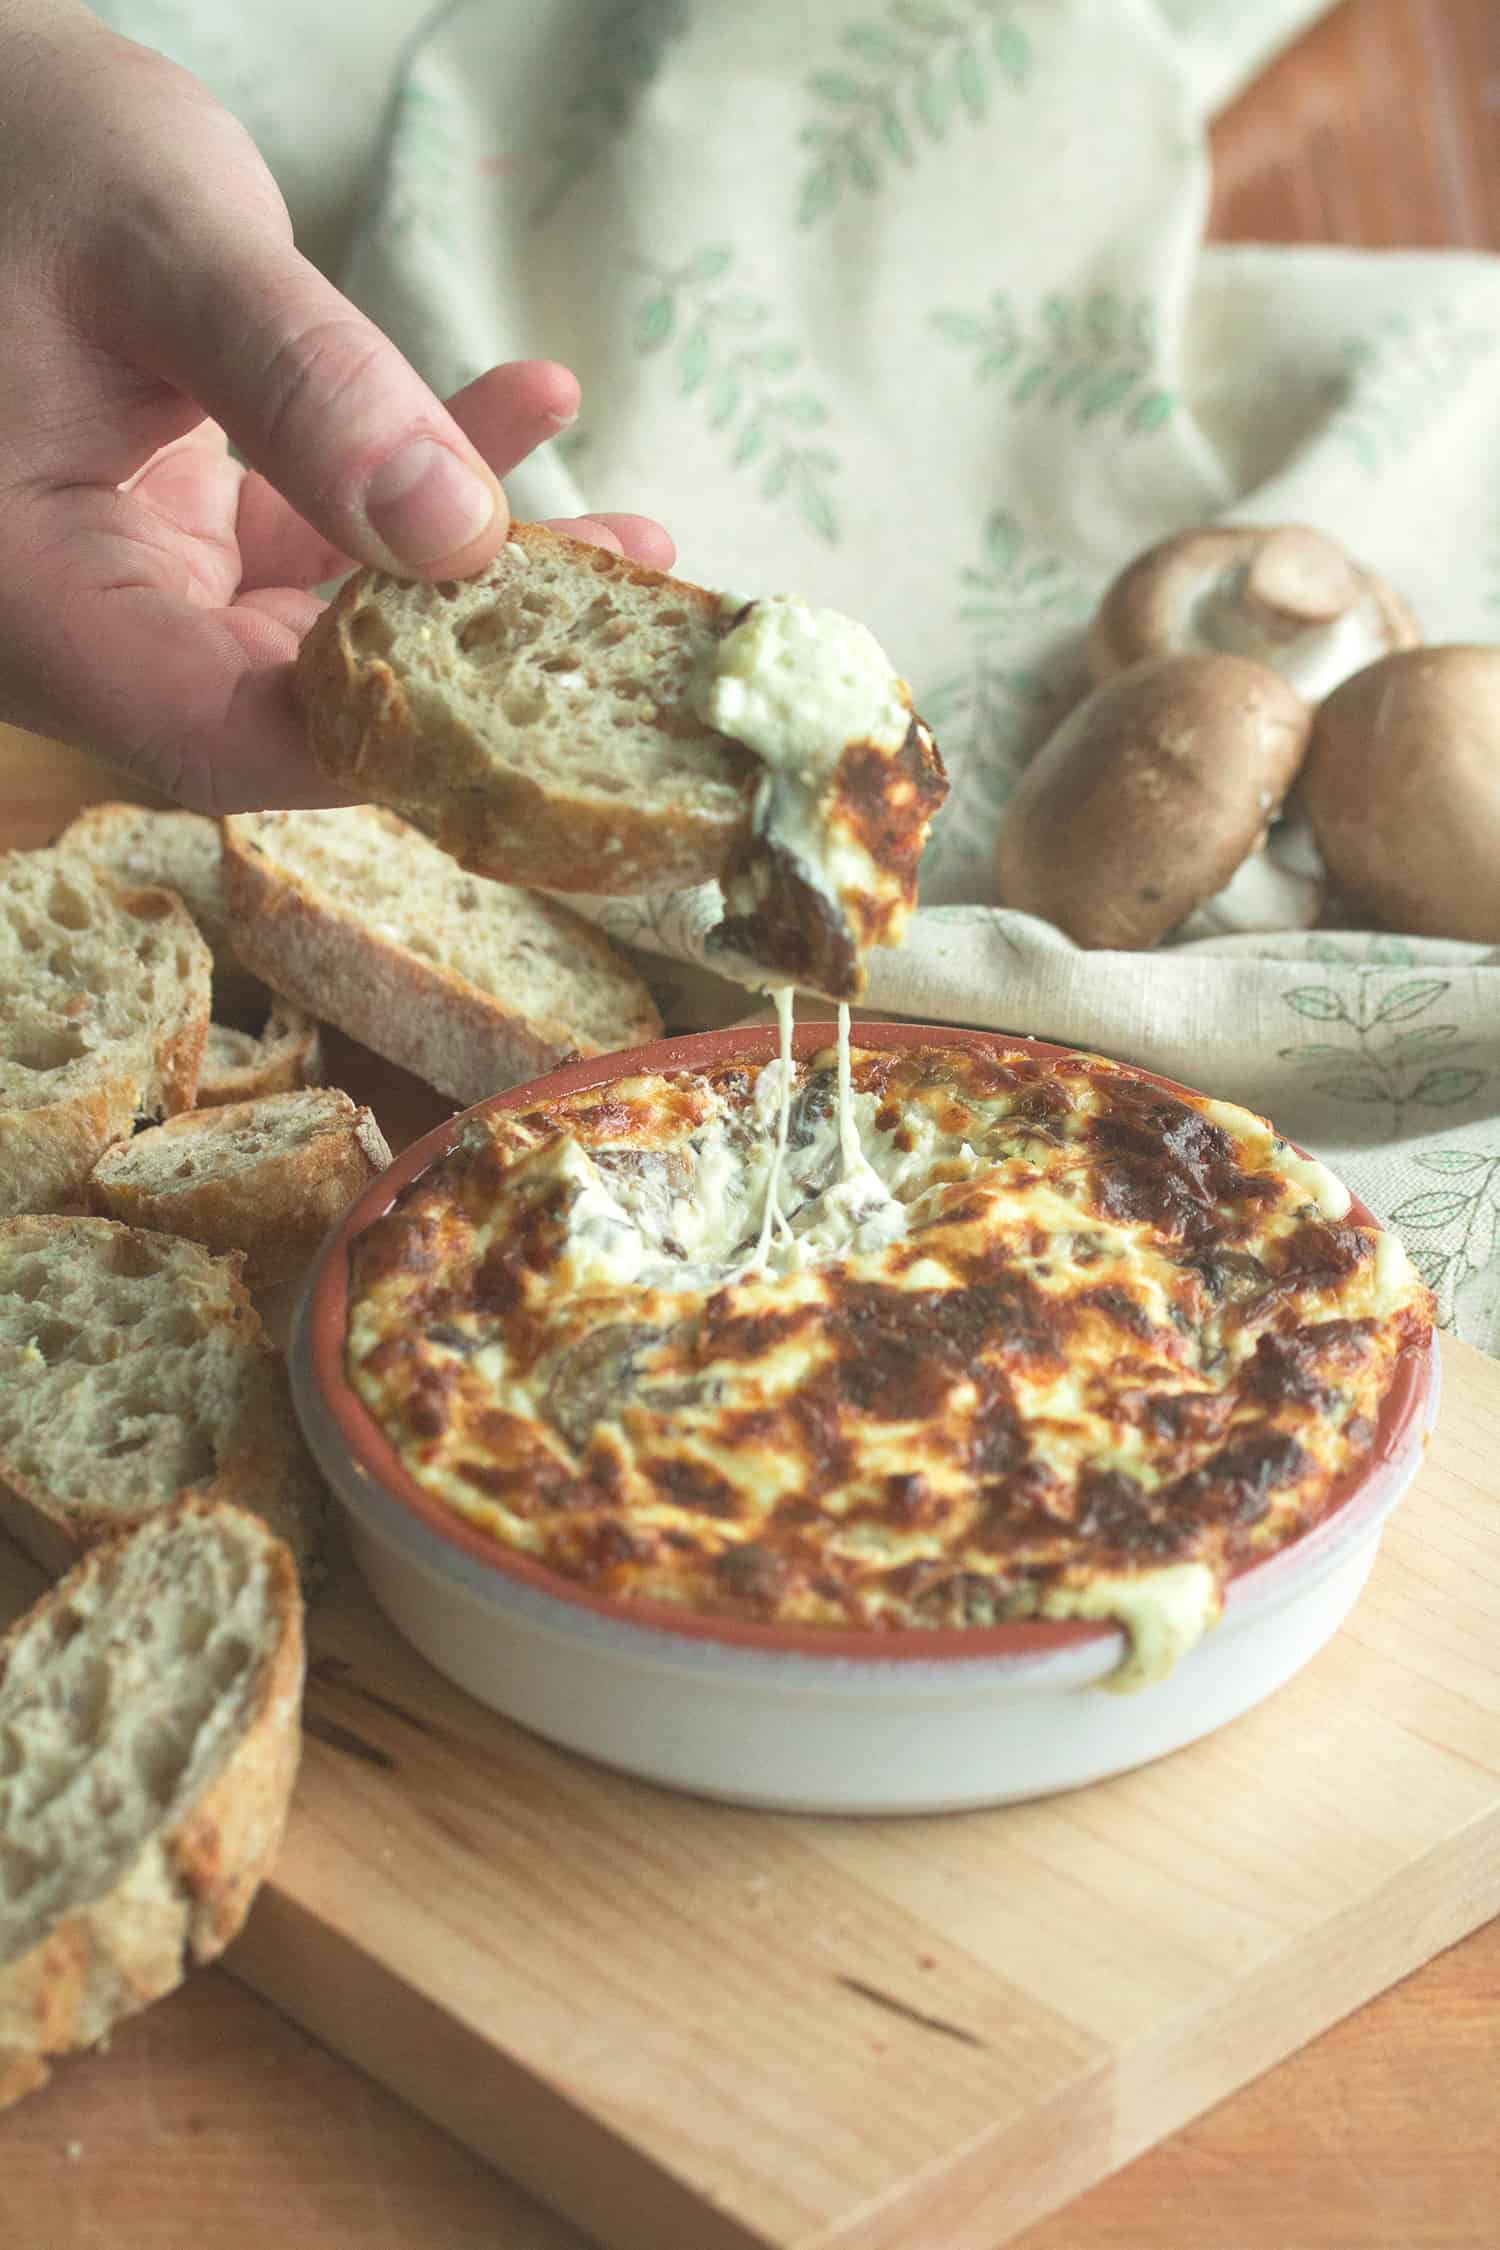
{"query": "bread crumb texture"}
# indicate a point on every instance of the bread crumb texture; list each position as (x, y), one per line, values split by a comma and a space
(121, 1699)
(134, 1369)
(148, 1745)
(537, 719)
(107, 995)
(534, 958)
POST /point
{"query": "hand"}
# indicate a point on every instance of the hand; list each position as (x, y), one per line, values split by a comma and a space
(153, 591)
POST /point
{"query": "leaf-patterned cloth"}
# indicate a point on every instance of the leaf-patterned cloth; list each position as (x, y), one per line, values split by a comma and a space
(903, 305)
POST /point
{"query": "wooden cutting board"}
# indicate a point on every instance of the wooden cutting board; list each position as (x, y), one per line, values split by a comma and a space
(698, 2028)
(695, 2027)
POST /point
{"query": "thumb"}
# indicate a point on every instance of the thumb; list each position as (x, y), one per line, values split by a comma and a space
(325, 407)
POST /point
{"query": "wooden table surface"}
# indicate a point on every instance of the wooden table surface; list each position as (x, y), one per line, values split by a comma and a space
(212, 2124)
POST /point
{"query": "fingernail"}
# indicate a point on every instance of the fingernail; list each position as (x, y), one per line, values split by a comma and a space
(425, 503)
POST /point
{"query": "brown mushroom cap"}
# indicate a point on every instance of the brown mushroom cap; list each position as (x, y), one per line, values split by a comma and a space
(1277, 595)
(1402, 786)
(1149, 795)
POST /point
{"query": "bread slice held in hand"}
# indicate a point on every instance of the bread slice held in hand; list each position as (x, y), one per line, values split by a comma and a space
(575, 720)
(536, 720)
(134, 1371)
(149, 1722)
(104, 1019)
(265, 1178)
(469, 984)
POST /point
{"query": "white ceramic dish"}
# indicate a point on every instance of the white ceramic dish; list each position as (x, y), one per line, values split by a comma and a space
(808, 1721)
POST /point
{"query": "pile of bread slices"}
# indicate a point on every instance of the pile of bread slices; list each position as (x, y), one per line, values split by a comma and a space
(166, 1147)
(149, 1707)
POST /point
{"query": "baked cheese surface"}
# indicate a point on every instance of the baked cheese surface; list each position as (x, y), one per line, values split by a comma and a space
(1047, 1340)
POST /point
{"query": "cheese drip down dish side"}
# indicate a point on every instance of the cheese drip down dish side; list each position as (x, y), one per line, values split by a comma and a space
(1049, 1341)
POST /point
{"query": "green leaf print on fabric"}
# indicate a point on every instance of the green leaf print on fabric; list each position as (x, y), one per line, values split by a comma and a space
(1382, 1055)
(1401, 376)
(711, 336)
(1380, 951)
(990, 713)
(1452, 1232)
(417, 199)
(623, 53)
(1094, 357)
(904, 83)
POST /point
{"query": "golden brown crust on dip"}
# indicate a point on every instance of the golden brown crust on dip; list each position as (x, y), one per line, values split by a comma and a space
(1111, 1332)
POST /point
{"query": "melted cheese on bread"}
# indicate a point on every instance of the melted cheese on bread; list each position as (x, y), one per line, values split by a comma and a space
(851, 780)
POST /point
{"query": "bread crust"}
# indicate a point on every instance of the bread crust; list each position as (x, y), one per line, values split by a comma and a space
(289, 1054)
(263, 1467)
(179, 1053)
(47, 1153)
(434, 1023)
(366, 735)
(189, 1889)
(275, 1211)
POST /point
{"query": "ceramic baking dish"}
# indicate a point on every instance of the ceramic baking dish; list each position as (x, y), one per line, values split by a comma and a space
(810, 1720)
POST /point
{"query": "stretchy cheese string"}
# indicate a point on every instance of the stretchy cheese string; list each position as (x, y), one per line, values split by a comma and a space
(852, 1161)
(773, 1215)
(850, 1153)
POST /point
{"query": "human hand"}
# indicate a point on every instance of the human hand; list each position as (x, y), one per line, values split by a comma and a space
(153, 591)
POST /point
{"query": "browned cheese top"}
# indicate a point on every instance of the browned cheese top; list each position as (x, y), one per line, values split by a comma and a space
(1100, 1331)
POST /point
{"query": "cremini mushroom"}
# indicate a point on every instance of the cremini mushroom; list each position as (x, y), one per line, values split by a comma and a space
(1150, 795)
(1287, 597)
(1402, 786)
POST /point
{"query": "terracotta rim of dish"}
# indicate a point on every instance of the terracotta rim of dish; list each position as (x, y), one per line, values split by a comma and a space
(1399, 1432)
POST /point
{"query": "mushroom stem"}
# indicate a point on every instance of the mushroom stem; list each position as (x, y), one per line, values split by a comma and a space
(1297, 578)
(1284, 596)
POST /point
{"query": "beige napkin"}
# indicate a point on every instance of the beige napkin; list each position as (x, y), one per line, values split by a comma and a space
(903, 305)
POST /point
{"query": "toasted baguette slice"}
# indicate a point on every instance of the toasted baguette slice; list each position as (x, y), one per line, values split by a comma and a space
(183, 852)
(172, 851)
(148, 1712)
(266, 1178)
(536, 719)
(467, 983)
(104, 1018)
(242, 1066)
(134, 1371)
